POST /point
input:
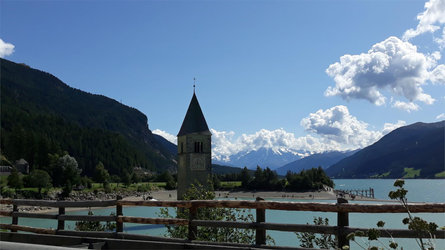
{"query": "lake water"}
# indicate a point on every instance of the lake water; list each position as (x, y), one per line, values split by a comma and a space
(418, 191)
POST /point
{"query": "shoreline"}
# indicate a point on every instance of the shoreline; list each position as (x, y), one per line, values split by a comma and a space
(170, 195)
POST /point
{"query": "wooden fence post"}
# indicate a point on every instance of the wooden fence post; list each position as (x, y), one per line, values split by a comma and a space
(342, 222)
(260, 234)
(61, 223)
(193, 230)
(15, 218)
(119, 212)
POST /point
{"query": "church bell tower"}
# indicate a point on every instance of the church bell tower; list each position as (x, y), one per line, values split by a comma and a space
(194, 149)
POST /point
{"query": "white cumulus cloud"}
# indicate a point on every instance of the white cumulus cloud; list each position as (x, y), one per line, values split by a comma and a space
(430, 20)
(331, 129)
(407, 106)
(223, 145)
(388, 127)
(169, 137)
(441, 116)
(437, 76)
(392, 65)
(338, 125)
(6, 49)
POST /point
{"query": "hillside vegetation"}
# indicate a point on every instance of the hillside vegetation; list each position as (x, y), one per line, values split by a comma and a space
(41, 115)
(414, 151)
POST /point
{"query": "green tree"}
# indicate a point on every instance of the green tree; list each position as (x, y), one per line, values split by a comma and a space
(126, 178)
(94, 225)
(101, 175)
(71, 171)
(213, 234)
(86, 182)
(67, 188)
(14, 180)
(323, 241)
(135, 178)
(245, 178)
(116, 179)
(168, 178)
(40, 179)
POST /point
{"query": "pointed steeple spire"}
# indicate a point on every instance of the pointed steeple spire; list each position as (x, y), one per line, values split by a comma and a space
(194, 120)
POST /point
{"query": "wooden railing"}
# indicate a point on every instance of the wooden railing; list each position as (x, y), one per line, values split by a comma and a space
(341, 230)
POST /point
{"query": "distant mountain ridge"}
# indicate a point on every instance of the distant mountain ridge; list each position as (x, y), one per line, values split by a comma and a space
(263, 157)
(52, 117)
(324, 160)
(413, 151)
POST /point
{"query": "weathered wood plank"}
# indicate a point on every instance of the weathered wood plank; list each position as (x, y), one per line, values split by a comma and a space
(35, 215)
(297, 206)
(5, 213)
(192, 230)
(268, 226)
(60, 222)
(142, 220)
(392, 208)
(398, 233)
(88, 217)
(301, 228)
(277, 205)
(27, 229)
(230, 224)
(260, 234)
(119, 212)
(342, 222)
(6, 201)
(185, 204)
(15, 219)
(87, 233)
(128, 236)
(52, 203)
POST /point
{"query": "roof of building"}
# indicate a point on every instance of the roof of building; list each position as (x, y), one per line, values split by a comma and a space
(194, 121)
(21, 162)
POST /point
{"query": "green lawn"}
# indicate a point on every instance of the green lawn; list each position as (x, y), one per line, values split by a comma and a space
(230, 184)
(440, 175)
(411, 173)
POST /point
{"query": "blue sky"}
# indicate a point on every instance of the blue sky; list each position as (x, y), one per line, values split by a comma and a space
(261, 66)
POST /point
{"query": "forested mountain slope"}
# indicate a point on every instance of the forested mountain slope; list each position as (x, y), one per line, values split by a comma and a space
(41, 115)
(416, 150)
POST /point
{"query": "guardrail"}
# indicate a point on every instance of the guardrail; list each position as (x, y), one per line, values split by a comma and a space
(341, 230)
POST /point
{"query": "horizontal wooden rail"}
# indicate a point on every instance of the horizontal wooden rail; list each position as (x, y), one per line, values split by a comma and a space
(5, 213)
(274, 205)
(28, 229)
(184, 204)
(35, 215)
(6, 201)
(141, 220)
(296, 206)
(87, 217)
(51, 203)
(398, 233)
(268, 226)
(97, 234)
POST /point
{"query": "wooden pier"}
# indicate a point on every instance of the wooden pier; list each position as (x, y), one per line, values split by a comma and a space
(352, 193)
(115, 240)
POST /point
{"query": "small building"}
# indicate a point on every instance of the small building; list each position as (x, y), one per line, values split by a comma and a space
(5, 170)
(22, 166)
(194, 150)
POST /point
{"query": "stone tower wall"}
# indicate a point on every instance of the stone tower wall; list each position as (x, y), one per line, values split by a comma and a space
(193, 166)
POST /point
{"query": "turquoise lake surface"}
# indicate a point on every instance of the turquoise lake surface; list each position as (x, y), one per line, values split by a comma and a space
(419, 190)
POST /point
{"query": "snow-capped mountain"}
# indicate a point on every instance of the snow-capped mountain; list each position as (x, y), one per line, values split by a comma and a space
(263, 157)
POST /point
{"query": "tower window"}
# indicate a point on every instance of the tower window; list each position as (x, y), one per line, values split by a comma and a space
(198, 147)
(182, 147)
